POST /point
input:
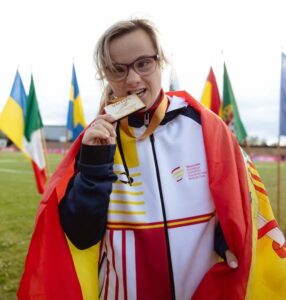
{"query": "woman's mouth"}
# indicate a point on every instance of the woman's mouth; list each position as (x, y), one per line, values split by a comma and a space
(140, 93)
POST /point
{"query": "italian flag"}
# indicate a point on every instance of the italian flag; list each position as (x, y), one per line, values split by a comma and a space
(34, 142)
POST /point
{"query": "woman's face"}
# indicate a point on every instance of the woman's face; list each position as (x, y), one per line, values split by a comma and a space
(127, 49)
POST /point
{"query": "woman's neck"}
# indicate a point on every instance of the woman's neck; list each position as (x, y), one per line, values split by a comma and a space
(152, 108)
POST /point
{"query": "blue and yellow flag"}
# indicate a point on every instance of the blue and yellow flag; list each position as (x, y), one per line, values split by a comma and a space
(76, 120)
(12, 118)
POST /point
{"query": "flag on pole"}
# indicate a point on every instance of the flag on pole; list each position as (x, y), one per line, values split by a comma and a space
(12, 118)
(230, 113)
(20, 120)
(34, 137)
(210, 97)
(76, 121)
(282, 127)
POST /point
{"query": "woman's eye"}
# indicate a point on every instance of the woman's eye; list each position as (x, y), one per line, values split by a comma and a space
(143, 64)
(118, 69)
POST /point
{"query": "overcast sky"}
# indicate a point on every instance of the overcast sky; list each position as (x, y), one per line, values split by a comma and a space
(46, 36)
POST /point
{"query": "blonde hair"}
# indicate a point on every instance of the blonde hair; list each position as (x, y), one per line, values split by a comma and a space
(102, 54)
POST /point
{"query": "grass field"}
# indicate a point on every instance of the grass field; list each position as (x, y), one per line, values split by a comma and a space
(19, 201)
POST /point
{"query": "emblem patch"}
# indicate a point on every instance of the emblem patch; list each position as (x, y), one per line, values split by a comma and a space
(178, 173)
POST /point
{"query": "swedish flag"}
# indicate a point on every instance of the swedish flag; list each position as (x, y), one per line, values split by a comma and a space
(76, 121)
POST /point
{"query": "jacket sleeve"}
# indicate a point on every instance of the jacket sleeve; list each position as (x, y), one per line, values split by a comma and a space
(83, 210)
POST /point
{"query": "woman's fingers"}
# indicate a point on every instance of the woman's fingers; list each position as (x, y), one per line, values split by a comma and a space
(107, 121)
(107, 118)
(100, 132)
(231, 259)
(103, 129)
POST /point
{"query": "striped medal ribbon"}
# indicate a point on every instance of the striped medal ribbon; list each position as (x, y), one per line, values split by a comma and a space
(156, 119)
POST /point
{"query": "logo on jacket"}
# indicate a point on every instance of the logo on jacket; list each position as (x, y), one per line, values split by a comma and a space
(178, 173)
(195, 171)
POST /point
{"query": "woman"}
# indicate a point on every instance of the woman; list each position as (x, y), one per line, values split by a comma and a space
(140, 200)
(155, 220)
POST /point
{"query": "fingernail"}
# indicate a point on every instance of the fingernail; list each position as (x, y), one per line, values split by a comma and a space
(233, 264)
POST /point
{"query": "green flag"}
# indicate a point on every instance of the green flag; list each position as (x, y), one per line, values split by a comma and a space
(33, 120)
(230, 113)
(33, 134)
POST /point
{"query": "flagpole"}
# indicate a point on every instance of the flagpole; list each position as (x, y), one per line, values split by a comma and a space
(281, 131)
(45, 153)
(247, 148)
(278, 179)
(66, 142)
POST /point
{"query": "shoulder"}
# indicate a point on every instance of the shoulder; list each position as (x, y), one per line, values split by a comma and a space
(195, 109)
(183, 96)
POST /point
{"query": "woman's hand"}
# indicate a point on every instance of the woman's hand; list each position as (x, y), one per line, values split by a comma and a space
(231, 259)
(100, 132)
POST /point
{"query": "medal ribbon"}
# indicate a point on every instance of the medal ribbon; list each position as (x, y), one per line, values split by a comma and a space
(156, 119)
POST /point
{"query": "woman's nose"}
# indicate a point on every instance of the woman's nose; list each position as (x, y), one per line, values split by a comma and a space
(132, 76)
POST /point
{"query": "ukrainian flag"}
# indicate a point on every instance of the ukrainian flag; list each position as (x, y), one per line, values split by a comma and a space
(12, 118)
(76, 121)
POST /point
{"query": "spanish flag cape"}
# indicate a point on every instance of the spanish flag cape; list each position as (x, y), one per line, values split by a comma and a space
(55, 269)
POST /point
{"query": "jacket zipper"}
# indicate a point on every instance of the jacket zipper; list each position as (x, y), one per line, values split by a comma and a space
(164, 218)
(146, 118)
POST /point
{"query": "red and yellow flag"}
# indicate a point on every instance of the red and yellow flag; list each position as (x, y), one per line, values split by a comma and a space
(210, 97)
(268, 272)
(55, 269)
